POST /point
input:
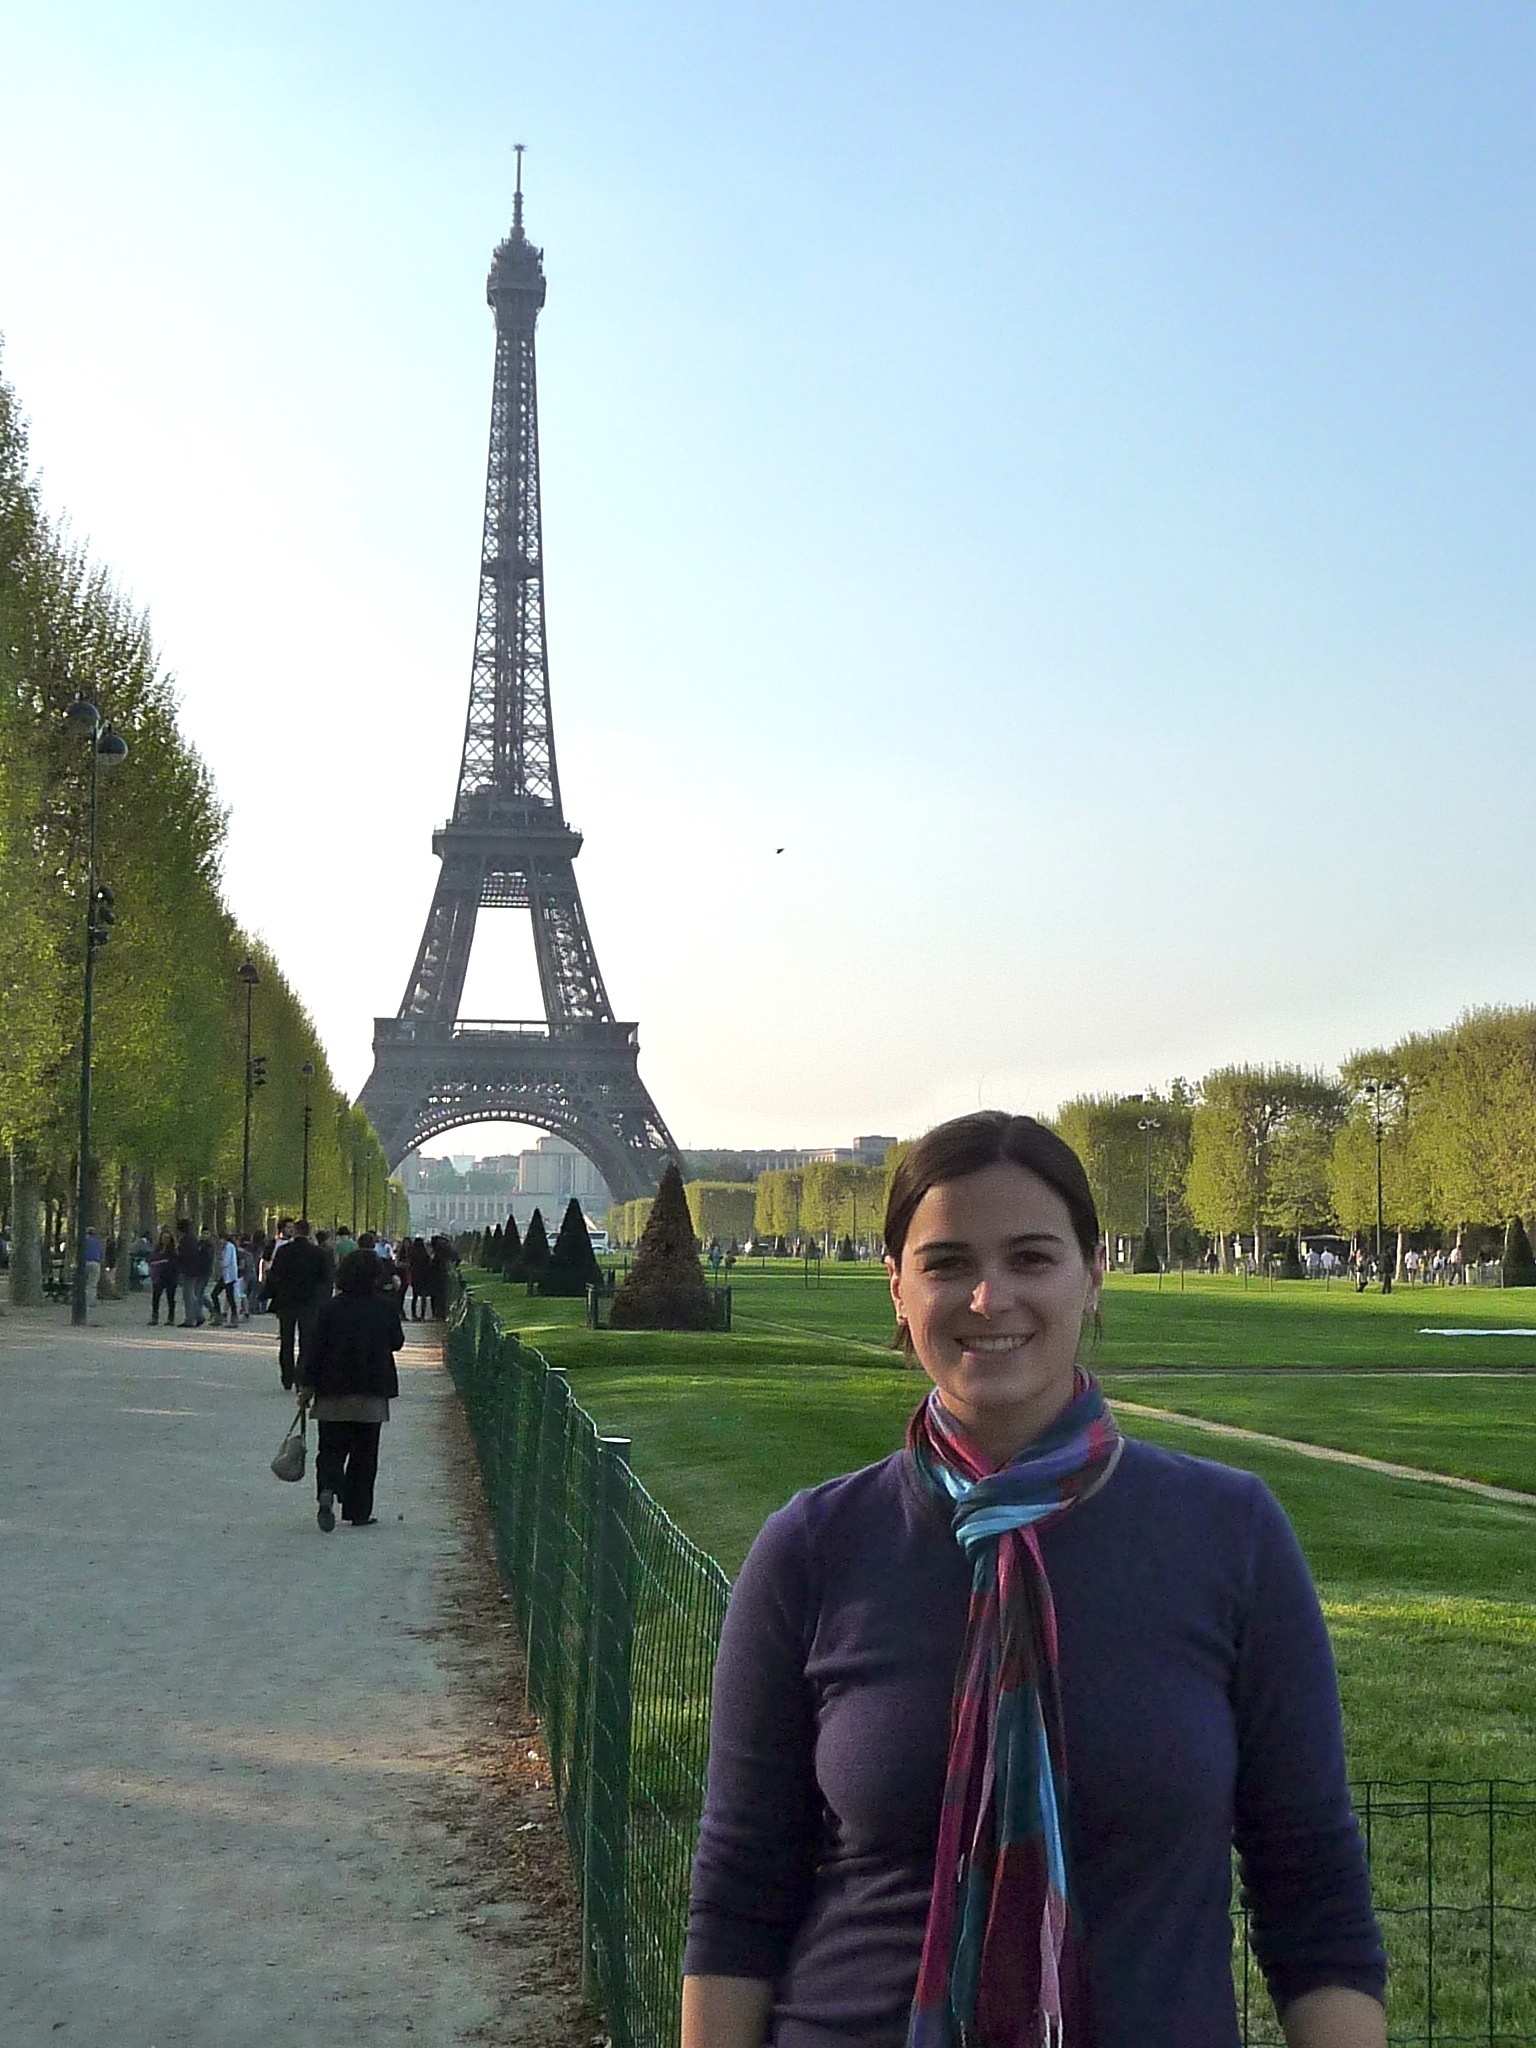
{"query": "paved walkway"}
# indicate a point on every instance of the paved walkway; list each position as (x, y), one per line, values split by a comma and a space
(229, 1745)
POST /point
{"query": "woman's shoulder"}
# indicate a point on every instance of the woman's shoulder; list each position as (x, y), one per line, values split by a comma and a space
(1192, 1506)
(1195, 1480)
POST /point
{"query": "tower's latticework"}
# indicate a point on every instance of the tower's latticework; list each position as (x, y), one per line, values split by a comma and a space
(507, 846)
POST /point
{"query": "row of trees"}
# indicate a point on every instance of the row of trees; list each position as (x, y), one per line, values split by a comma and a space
(170, 1012)
(827, 1200)
(1263, 1153)
(1250, 1155)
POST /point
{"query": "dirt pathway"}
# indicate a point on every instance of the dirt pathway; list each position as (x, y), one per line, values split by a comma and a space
(248, 1773)
(1329, 1456)
(1256, 1436)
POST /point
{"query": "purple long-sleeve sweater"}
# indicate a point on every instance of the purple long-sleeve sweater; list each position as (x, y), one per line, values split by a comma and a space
(1201, 1711)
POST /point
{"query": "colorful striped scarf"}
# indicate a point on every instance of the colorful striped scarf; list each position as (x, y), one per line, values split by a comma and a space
(1002, 1963)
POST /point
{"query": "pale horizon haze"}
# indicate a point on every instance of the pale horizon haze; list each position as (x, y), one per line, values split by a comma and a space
(1062, 472)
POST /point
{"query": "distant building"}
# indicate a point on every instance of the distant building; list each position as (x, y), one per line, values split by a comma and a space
(872, 1151)
(480, 1193)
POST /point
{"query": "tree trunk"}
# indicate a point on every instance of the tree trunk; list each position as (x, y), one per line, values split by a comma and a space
(148, 1220)
(26, 1288)
(1401, 1271)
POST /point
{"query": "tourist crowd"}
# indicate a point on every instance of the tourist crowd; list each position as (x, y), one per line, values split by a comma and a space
(223, 1279)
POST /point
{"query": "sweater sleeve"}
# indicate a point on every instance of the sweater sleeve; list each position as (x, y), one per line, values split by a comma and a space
(760, 1832)
(1304, 1874)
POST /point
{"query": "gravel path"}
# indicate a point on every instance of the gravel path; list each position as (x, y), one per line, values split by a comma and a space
(243, 1765)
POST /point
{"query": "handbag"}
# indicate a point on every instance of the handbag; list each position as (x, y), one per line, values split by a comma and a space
(289, 1461)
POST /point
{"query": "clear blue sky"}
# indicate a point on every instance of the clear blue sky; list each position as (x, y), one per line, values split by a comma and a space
(1063, 472)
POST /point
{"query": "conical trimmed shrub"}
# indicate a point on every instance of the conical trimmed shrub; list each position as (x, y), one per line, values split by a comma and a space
(1519, 1267)
(492, 1260)
(666, 1288)
(536, 1248)
(511, 1251)
(1147, 1260)
(573, 1264)
(1291, 1267)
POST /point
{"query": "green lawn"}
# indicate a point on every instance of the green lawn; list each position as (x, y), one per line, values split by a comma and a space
(1199, 1321)
(1476, 1428)
(1431, 1594)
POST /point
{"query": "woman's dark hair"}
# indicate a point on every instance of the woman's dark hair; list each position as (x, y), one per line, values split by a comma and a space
(358, 1273)
(989, 1137)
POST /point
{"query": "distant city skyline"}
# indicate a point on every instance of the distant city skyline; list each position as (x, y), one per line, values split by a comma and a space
(1038, 506)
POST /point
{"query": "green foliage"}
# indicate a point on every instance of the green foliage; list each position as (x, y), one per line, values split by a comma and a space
(627, 1220)
(1518, 1266)
(1261, 1141)
(665, 1288)
(1106, 1132)
(722, 1209)
(169, 1055)
(776, 1210)
(1147, 1260)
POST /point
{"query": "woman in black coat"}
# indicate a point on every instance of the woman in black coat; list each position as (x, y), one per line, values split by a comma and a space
(350, 1378)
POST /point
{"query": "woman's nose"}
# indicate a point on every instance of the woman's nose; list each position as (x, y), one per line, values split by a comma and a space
(988, 1294)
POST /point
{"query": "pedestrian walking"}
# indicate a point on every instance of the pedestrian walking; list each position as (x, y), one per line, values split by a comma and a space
(162, 1277)
(94, 1260)
(296, 1287)
(347, 1375)
(421, 1278)
(991, 1716)
(188, 1259)
(226, 1271)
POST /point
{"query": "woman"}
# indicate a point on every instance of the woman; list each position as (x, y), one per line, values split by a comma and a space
(349, 1375)
(162, 1277)
(990, 1716)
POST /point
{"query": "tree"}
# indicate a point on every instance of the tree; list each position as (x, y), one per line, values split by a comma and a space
(536, 1248)
(1259, 1147)
(1519, 1267)
(722, 1209)
(573, 1266)
(1107, 1133)
(665, 1288)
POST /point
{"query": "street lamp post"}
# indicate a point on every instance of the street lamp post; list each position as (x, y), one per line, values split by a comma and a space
(308, 1071)
(1375, 1089)
(251, 978)
(1147, 1125)
(108, 751)
(368, 1194)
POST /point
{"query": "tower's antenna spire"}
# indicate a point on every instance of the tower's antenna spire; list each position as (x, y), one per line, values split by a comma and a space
(517, 197)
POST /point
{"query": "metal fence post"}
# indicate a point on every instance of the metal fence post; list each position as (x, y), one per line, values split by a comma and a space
(605, 1900)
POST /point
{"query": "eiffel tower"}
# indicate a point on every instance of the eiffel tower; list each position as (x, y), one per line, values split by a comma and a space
(573, 1072)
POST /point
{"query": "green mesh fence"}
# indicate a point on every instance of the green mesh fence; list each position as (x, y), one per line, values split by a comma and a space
(620, 1615)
